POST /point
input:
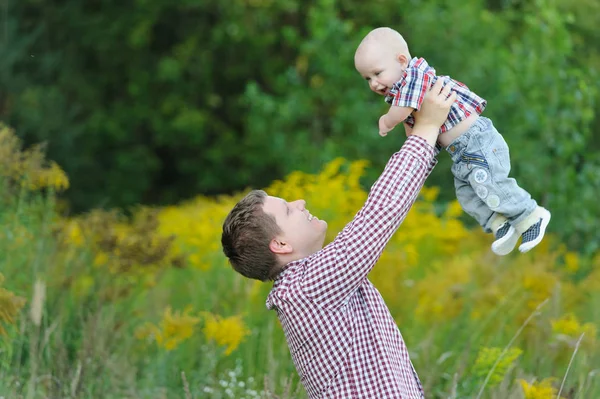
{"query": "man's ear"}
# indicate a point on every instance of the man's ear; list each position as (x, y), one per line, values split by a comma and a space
(278, 246)
(402, 60)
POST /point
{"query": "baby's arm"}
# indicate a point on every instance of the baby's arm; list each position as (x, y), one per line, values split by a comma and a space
(394, 116)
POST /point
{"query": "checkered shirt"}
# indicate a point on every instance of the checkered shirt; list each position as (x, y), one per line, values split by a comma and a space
(341, 335)
(419, 77)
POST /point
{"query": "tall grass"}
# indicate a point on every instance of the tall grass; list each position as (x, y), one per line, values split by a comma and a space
(146, 307)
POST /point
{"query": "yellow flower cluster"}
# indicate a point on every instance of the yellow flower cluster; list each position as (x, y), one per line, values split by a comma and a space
(176, 328)
(173, 329)
(441, 293)
(494, 361)
(121, 245)
(568, 329)
(571, 262)
(539, 390)
(197, 226)
(10, 306)
(133, 249)
(28, 168)
(228, 331)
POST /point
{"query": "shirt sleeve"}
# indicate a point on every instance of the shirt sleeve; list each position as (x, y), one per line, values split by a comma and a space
(409, 92)
(342, 266)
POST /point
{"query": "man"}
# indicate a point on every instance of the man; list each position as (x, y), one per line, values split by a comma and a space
(341, 335)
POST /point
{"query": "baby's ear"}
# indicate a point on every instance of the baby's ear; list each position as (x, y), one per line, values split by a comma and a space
(402, 59)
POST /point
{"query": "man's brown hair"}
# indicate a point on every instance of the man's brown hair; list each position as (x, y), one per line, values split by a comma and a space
(247, 232)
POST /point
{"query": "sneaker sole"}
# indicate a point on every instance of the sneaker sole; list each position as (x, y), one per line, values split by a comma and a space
(531, 244)
(506, 244)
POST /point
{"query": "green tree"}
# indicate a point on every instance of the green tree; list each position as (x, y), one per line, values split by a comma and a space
(155, 101)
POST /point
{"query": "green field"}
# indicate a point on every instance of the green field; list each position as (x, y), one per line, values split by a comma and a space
(103, 306)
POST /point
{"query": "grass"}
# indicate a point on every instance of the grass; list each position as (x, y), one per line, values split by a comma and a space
(79, 336)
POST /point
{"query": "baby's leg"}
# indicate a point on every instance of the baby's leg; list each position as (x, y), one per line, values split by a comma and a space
(489, 220)
(471, 203)
(501, 193)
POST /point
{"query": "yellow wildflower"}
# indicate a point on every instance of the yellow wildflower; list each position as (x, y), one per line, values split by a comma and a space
(173, 329)
(52, 176)
(539, 390)
(453, 210)
(229, 331)
(569, 329)
(540, 285)
(73, 233)
(429, 194)
(487, 358)
(196, 225)
(10, 306)
(441, 292)
(147, 331)
(571, 262)
(28, 168)
(101, 259)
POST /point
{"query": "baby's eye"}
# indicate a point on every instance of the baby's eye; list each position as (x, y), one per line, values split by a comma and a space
(377, 73)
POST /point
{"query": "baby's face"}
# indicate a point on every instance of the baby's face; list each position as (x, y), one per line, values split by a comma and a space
(379, 67)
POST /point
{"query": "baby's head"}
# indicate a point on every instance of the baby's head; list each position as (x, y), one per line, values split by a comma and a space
(381, 57)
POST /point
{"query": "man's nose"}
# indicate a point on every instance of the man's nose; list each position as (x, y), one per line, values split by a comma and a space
(301, 204)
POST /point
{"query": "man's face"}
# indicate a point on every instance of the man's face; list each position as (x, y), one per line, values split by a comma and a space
(379, 67)
(304, 232)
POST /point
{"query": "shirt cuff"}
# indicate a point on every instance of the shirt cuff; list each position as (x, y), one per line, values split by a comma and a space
(419, 147)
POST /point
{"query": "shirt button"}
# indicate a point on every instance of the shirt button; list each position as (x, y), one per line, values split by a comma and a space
(452, 148)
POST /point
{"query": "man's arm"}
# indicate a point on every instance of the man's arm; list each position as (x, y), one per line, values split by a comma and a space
(393, 117)
(341, 267)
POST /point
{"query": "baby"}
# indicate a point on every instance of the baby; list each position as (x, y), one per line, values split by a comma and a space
(479, 152)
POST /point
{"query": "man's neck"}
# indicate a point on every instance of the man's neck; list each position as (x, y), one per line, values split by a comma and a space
(284, 260)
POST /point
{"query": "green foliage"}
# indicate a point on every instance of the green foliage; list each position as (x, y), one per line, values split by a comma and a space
(154, 101)
(108, 317)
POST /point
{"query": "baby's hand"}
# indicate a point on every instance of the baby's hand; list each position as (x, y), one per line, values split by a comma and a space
(383, 127)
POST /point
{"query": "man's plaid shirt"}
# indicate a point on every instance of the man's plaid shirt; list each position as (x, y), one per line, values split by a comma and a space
(341, 335)
(417, 78)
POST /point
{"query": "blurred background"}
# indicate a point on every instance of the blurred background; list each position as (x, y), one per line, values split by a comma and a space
(155, 101)
(129, 129)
